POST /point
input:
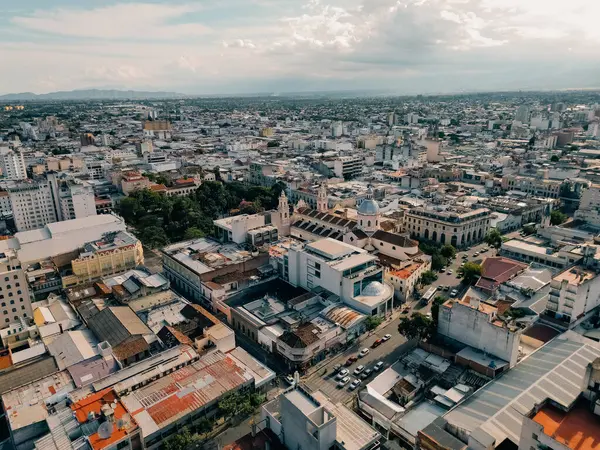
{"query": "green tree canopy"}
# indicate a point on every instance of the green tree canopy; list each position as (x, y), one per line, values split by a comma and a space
(428, 277)
(554, 158)
(557, 217)
(493, 238)
(470, 272)
(417, 326)
(180, 441)
(448, 251)
(373, 322)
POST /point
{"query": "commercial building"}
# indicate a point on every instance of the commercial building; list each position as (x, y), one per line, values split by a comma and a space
(12, 164)
(61, 240)
(474, 323)
(113, 253)
(133, 181)
(131, 340)
(159, 129)
(455, 225)
(540, 254)
(537, 187)
(349, 272)
(405, 279)
(559, 372)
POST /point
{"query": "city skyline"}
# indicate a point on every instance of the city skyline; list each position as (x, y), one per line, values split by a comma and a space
(195, 48)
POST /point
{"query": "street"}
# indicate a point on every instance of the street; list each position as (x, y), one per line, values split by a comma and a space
(323, 378)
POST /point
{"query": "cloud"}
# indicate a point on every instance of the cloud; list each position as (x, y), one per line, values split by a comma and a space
(407, 45)
(126, 20)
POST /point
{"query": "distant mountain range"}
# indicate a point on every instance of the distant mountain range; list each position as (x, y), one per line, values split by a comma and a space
(90, 94)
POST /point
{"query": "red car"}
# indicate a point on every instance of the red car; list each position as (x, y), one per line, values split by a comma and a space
(351, 361)
(377, 343)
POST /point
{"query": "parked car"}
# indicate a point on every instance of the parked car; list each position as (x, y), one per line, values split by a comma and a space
(354, 384)
(465, 256)
(364, 352)
(358, 370)
(454, 293)
(341, 374)
(445, 288)
(406, 310)
(449, 272)
(289, 379)
(387, 337)
(476, 254)
(442, 270)
(337, 368)
(350, 361)
(366, 374)
(377, 343)
(343, 382)
(483, 250)
(377, 367)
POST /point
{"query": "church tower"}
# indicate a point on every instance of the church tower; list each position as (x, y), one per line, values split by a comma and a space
(283, 215)
(322, 204)
(368, 214)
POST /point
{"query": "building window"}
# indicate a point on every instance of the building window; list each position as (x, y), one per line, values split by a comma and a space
(16, 277)
(23, 307)
(12, 302)
(5, 278)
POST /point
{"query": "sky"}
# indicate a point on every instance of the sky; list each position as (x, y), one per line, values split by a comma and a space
(246, 46)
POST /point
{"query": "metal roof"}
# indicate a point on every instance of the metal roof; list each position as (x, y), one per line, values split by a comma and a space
(556, 371)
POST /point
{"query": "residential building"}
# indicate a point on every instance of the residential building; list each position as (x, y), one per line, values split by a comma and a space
(589, 206)
(455, 225)
(74, 199)
(348, 167)
(113, 253)
(32, 204)
(311, 421)
(405, 279)
(12, 164)
(574, 293)
(349, 272)
(15, 298)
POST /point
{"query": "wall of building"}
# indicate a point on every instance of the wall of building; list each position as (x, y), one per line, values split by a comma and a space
(473, 328)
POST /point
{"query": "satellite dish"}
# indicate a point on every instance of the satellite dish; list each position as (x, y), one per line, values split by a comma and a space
(120, 424)
(105, 430)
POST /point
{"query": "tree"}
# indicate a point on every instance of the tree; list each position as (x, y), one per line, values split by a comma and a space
(493, 238)
(529, 229)
(554, 158)
(373, 322)
(557, 217)
(428, 277)
(193, 233)
(181, 441)
(470, 272)
(448, 251)
(435, 309)
(153, 236)
(273, 144)
(417, 326)
(438, 261)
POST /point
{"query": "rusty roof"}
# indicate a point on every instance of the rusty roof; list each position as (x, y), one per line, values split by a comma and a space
(176, 395)
(578, 429)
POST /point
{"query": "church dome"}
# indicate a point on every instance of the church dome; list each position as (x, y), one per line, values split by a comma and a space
(368, 207)
(374, 289)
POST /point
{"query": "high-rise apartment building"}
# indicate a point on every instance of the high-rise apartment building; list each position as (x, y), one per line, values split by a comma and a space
(15, 301)
(12, 164)
(36, 203)
(522, 114)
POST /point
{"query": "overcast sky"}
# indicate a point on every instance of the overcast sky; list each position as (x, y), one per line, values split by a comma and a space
(242, 46)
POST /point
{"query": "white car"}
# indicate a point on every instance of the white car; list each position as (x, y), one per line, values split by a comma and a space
(354, 384)
(476, 254)
(343, 382)
(290, 379)
(377, 367)
(341, 374)
(449, 272)
(358, 370)
(454, 293)
(387, 337)
(364, 352)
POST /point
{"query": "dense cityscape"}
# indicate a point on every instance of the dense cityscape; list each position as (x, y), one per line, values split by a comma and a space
(309, 271)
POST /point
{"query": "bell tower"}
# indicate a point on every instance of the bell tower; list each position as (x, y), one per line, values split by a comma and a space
(322, 204)
(283, 215)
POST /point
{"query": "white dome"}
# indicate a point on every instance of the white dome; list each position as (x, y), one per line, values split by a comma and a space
(374, 289)
(368, 207)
